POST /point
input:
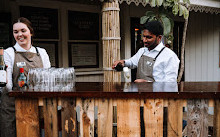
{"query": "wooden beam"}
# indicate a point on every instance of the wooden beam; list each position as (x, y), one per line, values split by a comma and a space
(111, 39)
(68, 117)
(175, 117)
(197, 118)
(105, 117)
(86, 117)
(27, 120)
(217, 118)
(153, 117)
(50, 117)
(128, 118)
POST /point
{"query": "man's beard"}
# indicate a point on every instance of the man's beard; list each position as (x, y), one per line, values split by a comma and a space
(153, 45)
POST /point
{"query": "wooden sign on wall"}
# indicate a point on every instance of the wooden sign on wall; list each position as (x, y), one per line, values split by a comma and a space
(83, 25)
(83, 55)
(44, 21)
(5, 30)
(52, 51)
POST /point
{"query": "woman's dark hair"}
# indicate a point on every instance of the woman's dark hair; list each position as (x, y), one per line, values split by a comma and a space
(26, 22)
(154, 27)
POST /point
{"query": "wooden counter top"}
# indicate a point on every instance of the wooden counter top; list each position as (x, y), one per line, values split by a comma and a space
(184, 90)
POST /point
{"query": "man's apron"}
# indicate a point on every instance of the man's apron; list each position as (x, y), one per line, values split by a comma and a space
(145, 67)
(8, 122)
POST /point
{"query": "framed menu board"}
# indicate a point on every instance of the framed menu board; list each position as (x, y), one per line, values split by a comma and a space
(44, 21)
(83, 55)
(83, 25)
(52, 51)
(5, 30)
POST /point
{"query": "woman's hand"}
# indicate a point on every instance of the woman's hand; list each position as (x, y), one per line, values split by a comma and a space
(140, 80)
(6, 66)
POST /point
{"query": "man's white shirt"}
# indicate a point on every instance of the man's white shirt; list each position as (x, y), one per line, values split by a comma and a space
(166, 65)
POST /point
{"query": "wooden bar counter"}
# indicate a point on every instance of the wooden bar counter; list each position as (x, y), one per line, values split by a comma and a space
(121, 109)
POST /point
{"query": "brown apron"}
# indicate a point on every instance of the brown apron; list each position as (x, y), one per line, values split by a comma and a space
(145, 67)
(8, 121)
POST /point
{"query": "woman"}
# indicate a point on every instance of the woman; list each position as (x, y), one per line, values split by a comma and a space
(22, 51)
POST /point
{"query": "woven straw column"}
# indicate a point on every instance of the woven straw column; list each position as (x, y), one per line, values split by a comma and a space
(111, 39)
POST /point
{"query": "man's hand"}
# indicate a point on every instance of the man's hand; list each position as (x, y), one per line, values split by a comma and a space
(140, 80)
(118, 61)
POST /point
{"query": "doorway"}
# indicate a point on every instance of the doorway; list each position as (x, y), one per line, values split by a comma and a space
(177, 41)
(136, 41)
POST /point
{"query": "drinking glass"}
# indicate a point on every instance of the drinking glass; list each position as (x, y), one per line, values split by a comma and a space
(51, 79)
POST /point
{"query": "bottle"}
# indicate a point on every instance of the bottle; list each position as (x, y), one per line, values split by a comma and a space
(126, 74)
(2, 68)
(22, 80)
(119, 67)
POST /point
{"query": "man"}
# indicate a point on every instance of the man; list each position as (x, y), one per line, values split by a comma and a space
(154, 62)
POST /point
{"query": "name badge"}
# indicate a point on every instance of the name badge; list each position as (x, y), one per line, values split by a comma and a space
(149, 63)
(21, 64)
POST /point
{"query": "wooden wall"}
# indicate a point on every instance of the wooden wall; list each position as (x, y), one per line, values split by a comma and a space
(202, 47)
(89, 77)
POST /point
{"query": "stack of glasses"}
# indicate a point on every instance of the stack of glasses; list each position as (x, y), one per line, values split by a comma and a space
(51, 79)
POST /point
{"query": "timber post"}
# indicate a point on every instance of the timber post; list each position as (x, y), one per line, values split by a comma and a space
(111, 39)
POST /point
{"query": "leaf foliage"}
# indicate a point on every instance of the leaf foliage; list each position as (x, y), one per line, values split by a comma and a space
(175, 5)
(166, 21)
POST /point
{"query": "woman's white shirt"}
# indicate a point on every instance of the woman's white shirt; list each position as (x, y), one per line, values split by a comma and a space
(9, 57)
